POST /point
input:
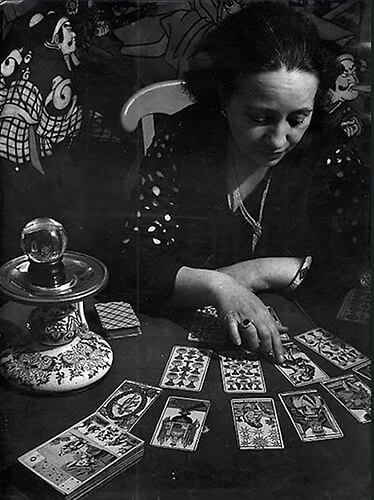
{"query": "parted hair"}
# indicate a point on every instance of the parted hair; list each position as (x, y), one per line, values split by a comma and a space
(261, 37)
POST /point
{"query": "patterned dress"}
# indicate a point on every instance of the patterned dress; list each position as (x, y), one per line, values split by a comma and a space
(181, 213)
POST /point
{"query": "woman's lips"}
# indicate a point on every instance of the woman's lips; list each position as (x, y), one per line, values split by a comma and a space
(274, 154)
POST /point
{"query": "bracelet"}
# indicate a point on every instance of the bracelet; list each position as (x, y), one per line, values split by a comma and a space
(300, 275)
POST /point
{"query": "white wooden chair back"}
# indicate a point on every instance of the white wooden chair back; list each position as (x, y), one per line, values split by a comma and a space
(166, 97)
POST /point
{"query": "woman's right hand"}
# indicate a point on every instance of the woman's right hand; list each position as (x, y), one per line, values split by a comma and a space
(248, 321)
(243, 314)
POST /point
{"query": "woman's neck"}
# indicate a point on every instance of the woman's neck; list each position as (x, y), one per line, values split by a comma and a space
(247, 173)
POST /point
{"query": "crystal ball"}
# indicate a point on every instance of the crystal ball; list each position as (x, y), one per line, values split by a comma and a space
(44, 240)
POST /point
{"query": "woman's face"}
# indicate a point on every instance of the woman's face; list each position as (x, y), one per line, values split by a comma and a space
(270, 113)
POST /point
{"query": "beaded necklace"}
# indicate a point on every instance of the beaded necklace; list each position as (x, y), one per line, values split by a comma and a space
(256, 225)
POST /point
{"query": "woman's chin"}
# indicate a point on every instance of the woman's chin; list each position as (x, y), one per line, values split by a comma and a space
(272, 161)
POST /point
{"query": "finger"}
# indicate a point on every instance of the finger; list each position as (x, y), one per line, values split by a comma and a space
(282, 328)
(265, 335)
(232, 328)
(249, 337)
(278, 348)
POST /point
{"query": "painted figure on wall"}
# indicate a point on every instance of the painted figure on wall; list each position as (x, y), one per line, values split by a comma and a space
(164, 41)
(346, 175)
(38, 106)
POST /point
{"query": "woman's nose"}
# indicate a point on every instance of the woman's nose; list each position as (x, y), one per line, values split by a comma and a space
(278, 136)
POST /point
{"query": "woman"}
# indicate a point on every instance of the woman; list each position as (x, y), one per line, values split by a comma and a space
(221, 200)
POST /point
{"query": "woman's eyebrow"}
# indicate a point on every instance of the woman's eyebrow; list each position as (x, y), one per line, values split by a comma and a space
(260, 109)
(264, 109)
(305, 111)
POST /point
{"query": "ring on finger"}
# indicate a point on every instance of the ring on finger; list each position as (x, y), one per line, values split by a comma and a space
(246, 323)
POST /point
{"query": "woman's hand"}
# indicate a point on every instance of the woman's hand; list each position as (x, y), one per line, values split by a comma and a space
(249, 322)
(236, 305)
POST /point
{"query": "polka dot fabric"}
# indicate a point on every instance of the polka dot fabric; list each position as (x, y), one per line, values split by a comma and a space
(157, 196)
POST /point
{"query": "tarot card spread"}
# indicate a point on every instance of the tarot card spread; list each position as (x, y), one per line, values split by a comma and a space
(353, 394)
(240, 374)
(331, 348)
(181, 424)
(186, 368)
(256, 424)
(82, 455)
(298, 368)
(128, 403)
(310, 415)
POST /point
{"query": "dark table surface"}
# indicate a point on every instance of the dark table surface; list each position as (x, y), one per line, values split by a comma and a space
(337, 469)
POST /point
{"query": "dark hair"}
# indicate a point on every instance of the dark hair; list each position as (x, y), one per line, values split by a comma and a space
(260, 37)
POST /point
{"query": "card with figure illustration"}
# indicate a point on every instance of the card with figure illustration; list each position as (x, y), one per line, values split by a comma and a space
(83, 455)
(128, 403)
(256, 424)
(330, 347)
(181, 424)
(186, 368)
(239, 374)
(364, 370)
(353, 394)
(310, 415)
(298, 368)
(206, 327)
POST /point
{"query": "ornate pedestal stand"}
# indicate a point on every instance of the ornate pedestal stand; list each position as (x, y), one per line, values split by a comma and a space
(56, 352)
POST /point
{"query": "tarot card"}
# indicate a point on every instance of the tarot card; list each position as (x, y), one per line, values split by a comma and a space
(118, 319)
(240, 374)
(72, 459)
(353, 394)
(284, 336)
(298, 368)
(330, 347)
(128, 403)
(206, 327)
(186, 368)
(356, 306)
(256, 424)
(364, 370)
(181, 424)
(310, 415)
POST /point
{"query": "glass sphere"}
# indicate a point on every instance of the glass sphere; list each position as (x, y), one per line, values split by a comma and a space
(44, 240)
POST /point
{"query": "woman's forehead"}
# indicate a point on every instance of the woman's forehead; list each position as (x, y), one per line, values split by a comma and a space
(279, 86)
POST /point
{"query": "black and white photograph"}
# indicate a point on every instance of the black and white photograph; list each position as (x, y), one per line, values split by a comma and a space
(185, 249)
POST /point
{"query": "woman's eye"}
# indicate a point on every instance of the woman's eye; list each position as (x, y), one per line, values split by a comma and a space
(295, 122)
(259, 119)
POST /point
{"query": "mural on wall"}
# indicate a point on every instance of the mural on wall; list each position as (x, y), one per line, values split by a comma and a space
(156, 38)
(161, 34)
(148, 41)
